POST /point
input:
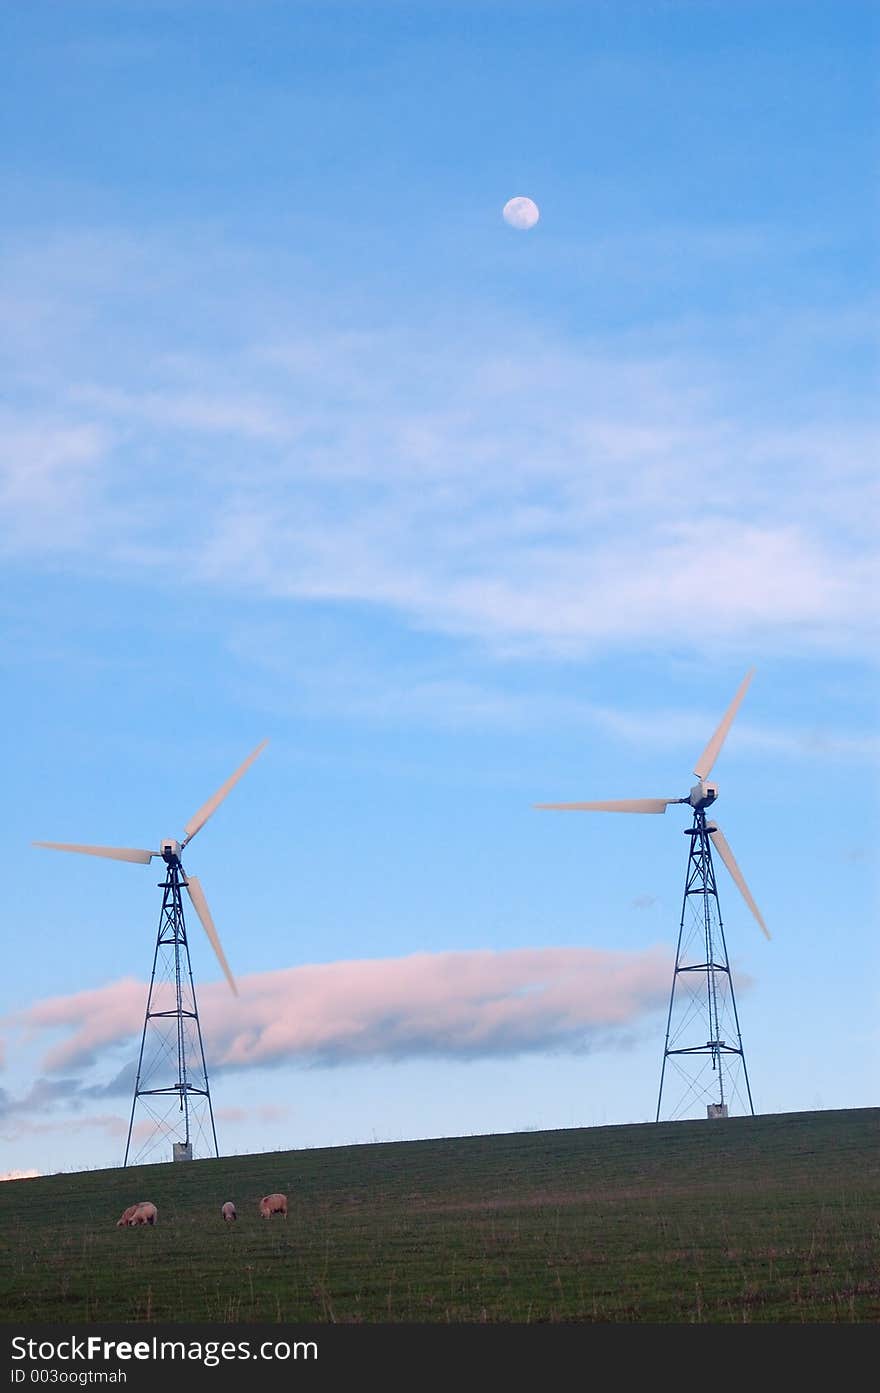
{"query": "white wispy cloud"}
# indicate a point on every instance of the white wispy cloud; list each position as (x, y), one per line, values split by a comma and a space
(199, 413)
(340, 678)
(569, 495)
(50, 472)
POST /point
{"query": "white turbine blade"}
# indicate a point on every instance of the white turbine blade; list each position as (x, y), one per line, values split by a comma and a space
(200, 904)
(213, 803)
(730, 862)
(703, 767)
(116, 853)
(617, 805)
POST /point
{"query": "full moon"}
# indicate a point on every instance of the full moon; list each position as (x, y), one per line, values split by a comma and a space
(520, 212)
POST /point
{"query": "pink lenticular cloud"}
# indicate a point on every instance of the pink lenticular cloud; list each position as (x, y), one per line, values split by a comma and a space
(97, 1018)
(460, 1004)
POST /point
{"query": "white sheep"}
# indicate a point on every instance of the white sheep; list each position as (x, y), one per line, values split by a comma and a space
(145, 1213)
(273, 1204)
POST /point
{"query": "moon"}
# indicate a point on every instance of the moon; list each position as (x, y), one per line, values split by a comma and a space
(521, 213)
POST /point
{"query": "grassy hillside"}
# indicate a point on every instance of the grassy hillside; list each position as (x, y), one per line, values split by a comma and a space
(773, 1218)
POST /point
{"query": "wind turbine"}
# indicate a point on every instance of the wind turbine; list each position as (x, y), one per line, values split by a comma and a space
(706, 996)
(172, 1017)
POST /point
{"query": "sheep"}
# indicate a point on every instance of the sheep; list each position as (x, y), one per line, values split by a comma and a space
(127, 1215)
(145, 1213)
(228, 1211)
(273, 1204)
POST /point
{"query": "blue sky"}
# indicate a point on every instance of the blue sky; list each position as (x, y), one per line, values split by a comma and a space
(302, 441)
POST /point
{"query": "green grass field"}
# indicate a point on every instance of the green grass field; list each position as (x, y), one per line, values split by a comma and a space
(766, 1219)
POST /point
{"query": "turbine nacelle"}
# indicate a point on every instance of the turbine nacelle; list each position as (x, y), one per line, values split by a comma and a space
(702, 795)
(170, 850)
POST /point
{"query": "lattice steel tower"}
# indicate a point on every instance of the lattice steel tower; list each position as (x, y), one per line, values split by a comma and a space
(702, 1000)
(710, 1071)
(171, 1084)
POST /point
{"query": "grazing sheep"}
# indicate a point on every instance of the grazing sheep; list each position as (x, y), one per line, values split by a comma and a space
(228, 1211)
(273, 1204)
(127, 1215)
(145, 1213)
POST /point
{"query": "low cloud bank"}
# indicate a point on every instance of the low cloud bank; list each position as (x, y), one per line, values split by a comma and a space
(471, 1004)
